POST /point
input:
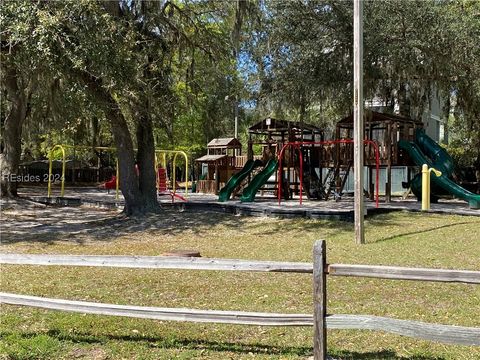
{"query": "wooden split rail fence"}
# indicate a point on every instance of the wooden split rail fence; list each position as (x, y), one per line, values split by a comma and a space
(321, 321)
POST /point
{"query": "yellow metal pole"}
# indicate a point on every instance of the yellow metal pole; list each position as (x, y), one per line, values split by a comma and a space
(165, 167)
(437, 173)
(174, 186)
(425, 188)
(179, 152)
(426, 185)
(49, 191)
(50, 168)
(62, 191)
(175, 153)
(186, 174)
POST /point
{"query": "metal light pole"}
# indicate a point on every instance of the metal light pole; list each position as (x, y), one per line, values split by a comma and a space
(358, 126)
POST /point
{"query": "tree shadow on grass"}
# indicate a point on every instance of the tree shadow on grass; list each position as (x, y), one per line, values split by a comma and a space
(423, 231)
(389, 219)
(220, 346)
(81, 224)
(379, 355)
(77, 224)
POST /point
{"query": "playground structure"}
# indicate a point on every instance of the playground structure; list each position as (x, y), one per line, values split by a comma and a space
(63, 148)
(325, 191)
(270, 135)
(221, 164)
(300, 154)
(162, 175)
(113, 183)
(296, 160)
(307, 163)
(248, 194)
(237, 179)
(386, 130)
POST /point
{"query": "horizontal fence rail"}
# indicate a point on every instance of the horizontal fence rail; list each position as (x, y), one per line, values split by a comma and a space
(194, 263)
(158, 313)
(448, 334)
(404, 273)
(156, 262)
(443, 333)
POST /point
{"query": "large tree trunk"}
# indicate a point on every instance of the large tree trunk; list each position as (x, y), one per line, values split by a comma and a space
(146, 146)
(126, 160)
(12, 134)
(146, 161)
(134, 201)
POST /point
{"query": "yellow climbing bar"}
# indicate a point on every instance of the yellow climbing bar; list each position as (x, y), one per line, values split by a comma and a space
(64, 159)
(164, 154)
(50, 166)
(175, 153)
(426, 185)
(117, 180)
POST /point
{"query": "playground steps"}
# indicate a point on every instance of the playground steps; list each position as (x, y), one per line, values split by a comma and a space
(336, 179)
(162, 188)
(162, 180)
(344, 176)
(307, 181)
(329, 182)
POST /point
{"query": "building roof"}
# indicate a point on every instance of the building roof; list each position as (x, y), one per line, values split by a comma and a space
(210, 158)
(276, 125)
(229, 143)
(374, 116)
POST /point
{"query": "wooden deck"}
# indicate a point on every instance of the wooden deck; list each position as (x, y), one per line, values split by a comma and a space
(263, 206)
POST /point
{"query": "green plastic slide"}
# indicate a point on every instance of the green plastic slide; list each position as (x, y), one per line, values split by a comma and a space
(236, 179)
(441, 160)
(259, 180)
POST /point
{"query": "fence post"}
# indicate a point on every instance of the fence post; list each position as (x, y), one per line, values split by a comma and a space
(319, 301)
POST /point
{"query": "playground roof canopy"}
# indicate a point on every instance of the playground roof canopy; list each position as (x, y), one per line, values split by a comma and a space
(271, 125)
(210, 158)
(377, 117)
(228, 143)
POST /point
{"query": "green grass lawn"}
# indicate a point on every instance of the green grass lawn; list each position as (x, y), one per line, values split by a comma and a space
(406, 239)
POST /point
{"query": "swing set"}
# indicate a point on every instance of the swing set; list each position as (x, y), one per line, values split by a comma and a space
(160, 169)
(64, 160)
(297, 145)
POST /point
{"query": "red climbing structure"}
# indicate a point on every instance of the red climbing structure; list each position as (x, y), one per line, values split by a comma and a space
(162, 187)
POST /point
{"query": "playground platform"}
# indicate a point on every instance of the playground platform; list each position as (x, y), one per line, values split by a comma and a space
(263, 206)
